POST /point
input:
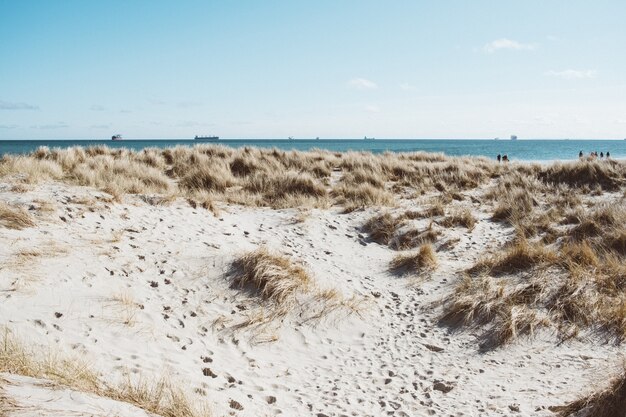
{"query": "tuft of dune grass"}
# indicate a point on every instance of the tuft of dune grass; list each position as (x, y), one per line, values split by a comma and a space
(578, 282)
(273, 276)
(463, 218)
(160, 397)
(609, 401)
(520, 256)
(359, 196)
(382, 227)
(14, 217)
(609, 175)
(287, 189)
(412, 238)
(423, 259)
(282, 179)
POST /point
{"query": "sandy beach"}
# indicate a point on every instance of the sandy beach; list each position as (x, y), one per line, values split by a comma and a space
(175, 285)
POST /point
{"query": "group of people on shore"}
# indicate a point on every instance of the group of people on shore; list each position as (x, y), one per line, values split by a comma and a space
(594, 155)
(581, 155)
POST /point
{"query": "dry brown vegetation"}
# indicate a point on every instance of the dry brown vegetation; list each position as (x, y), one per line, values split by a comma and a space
(273, 276)
(276, 178)
(423, 259)
(14, 217)
(283, 288)
(392, 230)
(576, 282)
(160, 397)
(463, 218)
(607, 402)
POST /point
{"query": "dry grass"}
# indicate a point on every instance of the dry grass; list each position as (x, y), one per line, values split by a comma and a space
(273, 277)
(520, 256)
(577, 282)
(360, 196)
(280, 179)
(383, 227)
(160, 397)
(609, 175)
(606, 402)
(463, 218)
(411, 238)
(284, 289)
(424, 259)
(125, 307)
(13, 217)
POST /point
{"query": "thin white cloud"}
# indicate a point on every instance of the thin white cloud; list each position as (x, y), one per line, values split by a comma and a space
(571, 74)
(7, 105)
(362, 84)
(372, 108)
(505, 43)
(407, 87)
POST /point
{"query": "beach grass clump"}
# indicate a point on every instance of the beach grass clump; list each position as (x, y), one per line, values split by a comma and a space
(607, 401)
(601, 221)
(288, 189)
(575, 283)
(608, 175)
(437, 208)
(160, 397)
(507, 307)
(273, 277)
(382, 228)
(122, 174)
(353, 197)
(424, 259)
(463, 218)
(411, 238)
(29, 169)
(13, 217)
(513, 206)
(209, 178)
(520, 256)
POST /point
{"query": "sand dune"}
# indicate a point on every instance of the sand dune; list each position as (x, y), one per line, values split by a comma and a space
(136, 289)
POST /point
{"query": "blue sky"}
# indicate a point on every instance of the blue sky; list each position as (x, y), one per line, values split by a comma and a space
(333, 69)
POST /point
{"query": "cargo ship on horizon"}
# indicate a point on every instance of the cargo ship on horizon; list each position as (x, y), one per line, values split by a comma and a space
(207, 138)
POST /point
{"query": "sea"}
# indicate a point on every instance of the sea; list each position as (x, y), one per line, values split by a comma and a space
(521, 150)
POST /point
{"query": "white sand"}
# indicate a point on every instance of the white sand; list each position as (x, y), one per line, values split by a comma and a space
(171, 262)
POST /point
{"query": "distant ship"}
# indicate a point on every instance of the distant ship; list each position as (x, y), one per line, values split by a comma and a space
(207, 138)
(513, 137)
(116, 137)
(366, 138)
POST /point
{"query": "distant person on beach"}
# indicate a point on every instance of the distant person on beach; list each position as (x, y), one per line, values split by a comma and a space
(580, 154)
(608, 154)
(505, 158)
(499, 157)
(601, 155)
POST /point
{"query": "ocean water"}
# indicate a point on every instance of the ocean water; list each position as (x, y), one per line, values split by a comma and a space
(522, 150)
